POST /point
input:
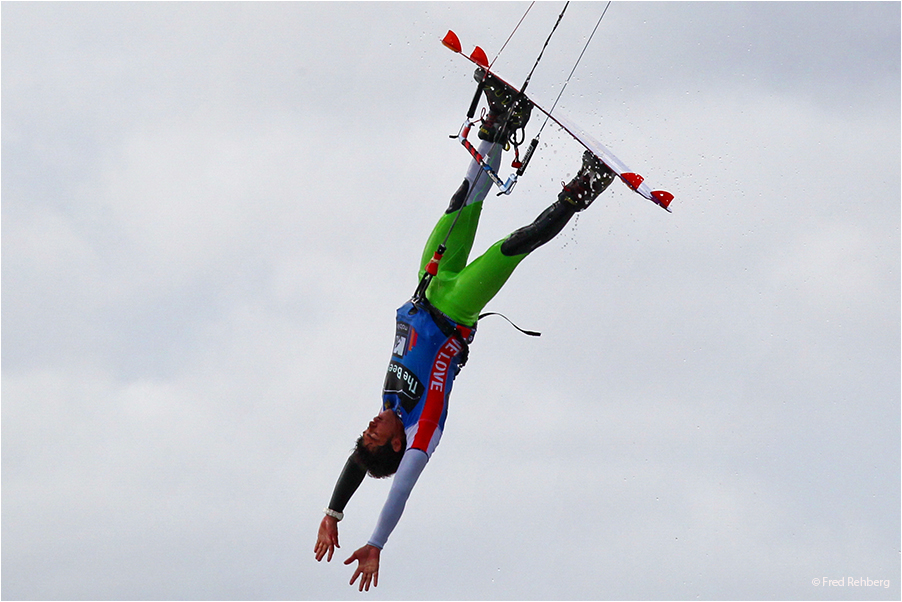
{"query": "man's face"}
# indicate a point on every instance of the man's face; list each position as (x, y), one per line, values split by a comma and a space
(382, 429)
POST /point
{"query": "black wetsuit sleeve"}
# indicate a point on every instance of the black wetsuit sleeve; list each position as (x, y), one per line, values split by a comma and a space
(351, 477)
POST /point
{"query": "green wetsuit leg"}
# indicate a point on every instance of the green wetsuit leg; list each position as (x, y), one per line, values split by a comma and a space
(462, 215)
(461, 291)
(461, 295)
(460, 242)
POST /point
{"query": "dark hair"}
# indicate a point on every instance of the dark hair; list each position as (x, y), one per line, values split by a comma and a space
(381, 463)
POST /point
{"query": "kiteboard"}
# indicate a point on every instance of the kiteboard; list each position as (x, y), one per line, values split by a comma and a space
(634, 181)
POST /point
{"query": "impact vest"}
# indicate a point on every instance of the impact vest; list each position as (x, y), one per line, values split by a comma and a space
(428, 352)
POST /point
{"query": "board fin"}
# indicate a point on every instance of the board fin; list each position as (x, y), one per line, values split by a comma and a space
(633, 180)
(479, 57)
(451, 41)
(663, 197)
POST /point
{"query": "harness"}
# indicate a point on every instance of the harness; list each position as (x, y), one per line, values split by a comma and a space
(446, 327)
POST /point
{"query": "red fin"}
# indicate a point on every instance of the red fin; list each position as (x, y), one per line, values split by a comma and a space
(479, 57)
(451, 41)
(663, 197)
(632, 179)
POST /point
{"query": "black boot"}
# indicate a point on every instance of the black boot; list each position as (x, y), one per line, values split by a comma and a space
(593, 178)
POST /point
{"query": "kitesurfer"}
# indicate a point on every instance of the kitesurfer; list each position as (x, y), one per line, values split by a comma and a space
(434, 330)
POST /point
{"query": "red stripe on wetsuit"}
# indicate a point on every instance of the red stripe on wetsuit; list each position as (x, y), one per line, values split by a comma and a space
(435, 395)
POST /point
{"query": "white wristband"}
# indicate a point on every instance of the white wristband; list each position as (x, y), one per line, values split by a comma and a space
(336, 515)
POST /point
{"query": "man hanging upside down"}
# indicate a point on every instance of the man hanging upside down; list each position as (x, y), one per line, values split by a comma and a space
(433, 331)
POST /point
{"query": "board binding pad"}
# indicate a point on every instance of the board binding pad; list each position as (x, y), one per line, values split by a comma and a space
(634, 181)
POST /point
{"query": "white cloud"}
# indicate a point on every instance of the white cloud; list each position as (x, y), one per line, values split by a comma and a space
(211, 212)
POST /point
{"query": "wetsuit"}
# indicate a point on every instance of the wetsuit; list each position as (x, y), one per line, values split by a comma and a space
(432, 335)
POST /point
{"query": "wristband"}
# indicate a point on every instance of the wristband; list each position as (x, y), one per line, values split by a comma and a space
(336, 515)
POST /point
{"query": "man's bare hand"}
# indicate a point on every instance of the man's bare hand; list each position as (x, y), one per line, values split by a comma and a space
(367, 559)
(326, 539)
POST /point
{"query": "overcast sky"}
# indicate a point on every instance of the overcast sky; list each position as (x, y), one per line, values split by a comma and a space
(210, 213)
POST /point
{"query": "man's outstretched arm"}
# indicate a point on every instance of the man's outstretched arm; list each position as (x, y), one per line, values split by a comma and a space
(412, 465)
(367, 557)
(327, 537)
